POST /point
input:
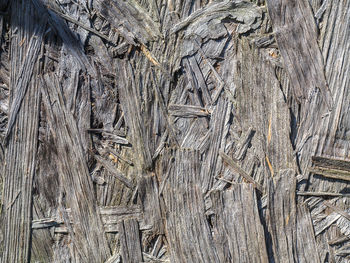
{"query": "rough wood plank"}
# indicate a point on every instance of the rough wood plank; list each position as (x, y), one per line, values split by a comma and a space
(257, 85)
(306, 244)
(42, 239)
(25, 74)
(317, 122)
(75, 176)
(295, 31)
(238, 232)
(130, 241)
(188, 231)
(18, 166)
(149, 196)
(199, 79)
(183, 52)
(19, 161)
(131, 105)
(243, 144)
(329, 139)
(281, 216)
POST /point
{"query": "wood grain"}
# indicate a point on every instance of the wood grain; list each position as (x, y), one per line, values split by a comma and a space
(174, 131)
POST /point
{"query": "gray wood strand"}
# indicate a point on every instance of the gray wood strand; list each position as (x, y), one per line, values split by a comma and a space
(188, 231)
(296, 35)
(75, 176)
(239, 234)
(130, 241)
(281, 216)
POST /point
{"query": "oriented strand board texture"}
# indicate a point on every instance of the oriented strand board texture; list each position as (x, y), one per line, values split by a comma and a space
(174, 131)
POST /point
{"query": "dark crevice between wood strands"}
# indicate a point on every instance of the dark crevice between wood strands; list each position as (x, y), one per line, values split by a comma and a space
(3, 5)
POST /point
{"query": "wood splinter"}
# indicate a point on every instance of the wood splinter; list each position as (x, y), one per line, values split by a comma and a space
(228, 160)
(331, 168)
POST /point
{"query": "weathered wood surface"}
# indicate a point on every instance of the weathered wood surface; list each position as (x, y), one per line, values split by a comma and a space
(294, 20)
(281, 216)
(21, 136)
(239, 234)
(130, 241)
(75, 180)
(188, 231)
(174, 131)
